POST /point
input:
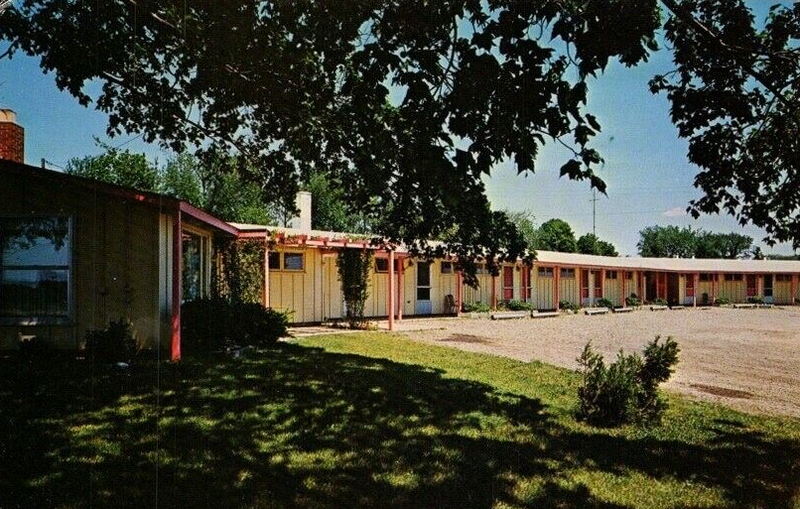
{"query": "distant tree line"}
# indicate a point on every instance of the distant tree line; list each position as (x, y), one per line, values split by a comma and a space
(686, 242)
(557, 235)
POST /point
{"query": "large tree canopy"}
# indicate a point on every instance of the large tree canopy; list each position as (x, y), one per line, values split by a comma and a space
(674, 241)
(406, 103)
(734, 94)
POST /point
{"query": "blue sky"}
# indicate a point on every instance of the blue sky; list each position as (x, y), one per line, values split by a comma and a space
(649, 178)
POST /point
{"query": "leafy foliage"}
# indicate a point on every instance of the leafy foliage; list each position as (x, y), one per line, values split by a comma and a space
(240, 277)
(475, 307)
(734, 97)
(556, 235)
(518, 305)
(590, 244)
(604, 303)
(722, 301)
(121, 167)
(568, 305)
(354, 266)
(626, 390)
(330, 210)
(659, 302)
(633, 300)
(115, 343)
(209, 325)
(407, 113)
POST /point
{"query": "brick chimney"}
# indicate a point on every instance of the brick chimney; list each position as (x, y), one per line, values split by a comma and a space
(12, 137)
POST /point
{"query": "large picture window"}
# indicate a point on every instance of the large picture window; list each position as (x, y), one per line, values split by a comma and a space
(35, 259)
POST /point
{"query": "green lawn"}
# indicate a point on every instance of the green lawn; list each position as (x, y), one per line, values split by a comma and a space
(367, 420)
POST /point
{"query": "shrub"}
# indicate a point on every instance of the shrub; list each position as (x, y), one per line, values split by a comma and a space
(518, 305)
(354, 267)
(633, 300)
(210, 324)
(755, 300)
(626, 390)
(568, 305)
(605, 303)
(115, 343)
(659, 302)
(721, 301)
(475, 307)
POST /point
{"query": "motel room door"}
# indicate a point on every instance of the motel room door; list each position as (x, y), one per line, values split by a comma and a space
(424, 305)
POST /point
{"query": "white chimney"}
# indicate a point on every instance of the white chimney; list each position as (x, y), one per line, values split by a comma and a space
(302, 203)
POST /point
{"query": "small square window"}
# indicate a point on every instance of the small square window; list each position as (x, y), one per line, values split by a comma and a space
(628, 275)
(293, 261)
(611, 274)
(545, 271)
(274, 260)
(568, 273)
(381, 265)
(447, 268)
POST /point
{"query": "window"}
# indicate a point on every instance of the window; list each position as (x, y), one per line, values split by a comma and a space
(705, 276)
(545, 271)
(733, 277)
(424, 281)
(292, 261)
(480, 268)
(35, 259)
(611, 274)
(274, 260)
(783, 278)
(381, 265)
(628, 275)
(447, 267)
(195, 277)
(568, 273)
(768, 285)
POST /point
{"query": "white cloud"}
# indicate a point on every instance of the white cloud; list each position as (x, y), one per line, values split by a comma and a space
(674, 212)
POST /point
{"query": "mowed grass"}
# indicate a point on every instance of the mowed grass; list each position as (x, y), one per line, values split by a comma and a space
(367, 419)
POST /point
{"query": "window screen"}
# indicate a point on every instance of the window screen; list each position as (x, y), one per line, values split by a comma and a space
(35, 267)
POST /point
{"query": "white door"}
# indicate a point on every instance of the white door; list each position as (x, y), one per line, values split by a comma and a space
(424, 305)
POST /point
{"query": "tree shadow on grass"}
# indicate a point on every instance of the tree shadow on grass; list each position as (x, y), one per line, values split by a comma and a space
(296, 426)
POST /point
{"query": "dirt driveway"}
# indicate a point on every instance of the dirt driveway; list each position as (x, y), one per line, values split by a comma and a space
(747, 359)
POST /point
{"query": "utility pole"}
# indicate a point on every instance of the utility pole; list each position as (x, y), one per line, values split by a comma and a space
(594, 211)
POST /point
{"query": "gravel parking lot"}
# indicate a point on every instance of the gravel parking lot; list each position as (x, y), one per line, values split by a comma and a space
(748, 359)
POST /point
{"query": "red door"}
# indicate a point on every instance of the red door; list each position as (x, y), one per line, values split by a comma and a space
(752, 286)
(584, 284)
(508, 283)
(598, 284)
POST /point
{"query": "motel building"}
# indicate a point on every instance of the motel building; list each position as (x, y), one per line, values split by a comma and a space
(76, 253)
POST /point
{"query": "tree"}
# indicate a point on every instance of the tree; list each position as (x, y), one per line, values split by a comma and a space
(556, 235)
(667, 242)
(734, 94)
(215, 184)
(406, 112)
(329, 208)
(722, 245)
(525, 222)
(123, 168)
(589, 243)
(409, 112)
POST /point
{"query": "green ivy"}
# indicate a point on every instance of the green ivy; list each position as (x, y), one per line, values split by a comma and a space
(354, 266)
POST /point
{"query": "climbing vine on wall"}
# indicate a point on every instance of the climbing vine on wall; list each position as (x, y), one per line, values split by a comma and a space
(239, 271)
(354, 267)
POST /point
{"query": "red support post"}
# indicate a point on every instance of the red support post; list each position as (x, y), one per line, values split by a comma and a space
(265, 296)
(401, 271)
(390, 291)
(177, 291)
(459, 292)
(602, 283)
(793, 289)
(696, 278)
(494, 293)
(556, 285)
